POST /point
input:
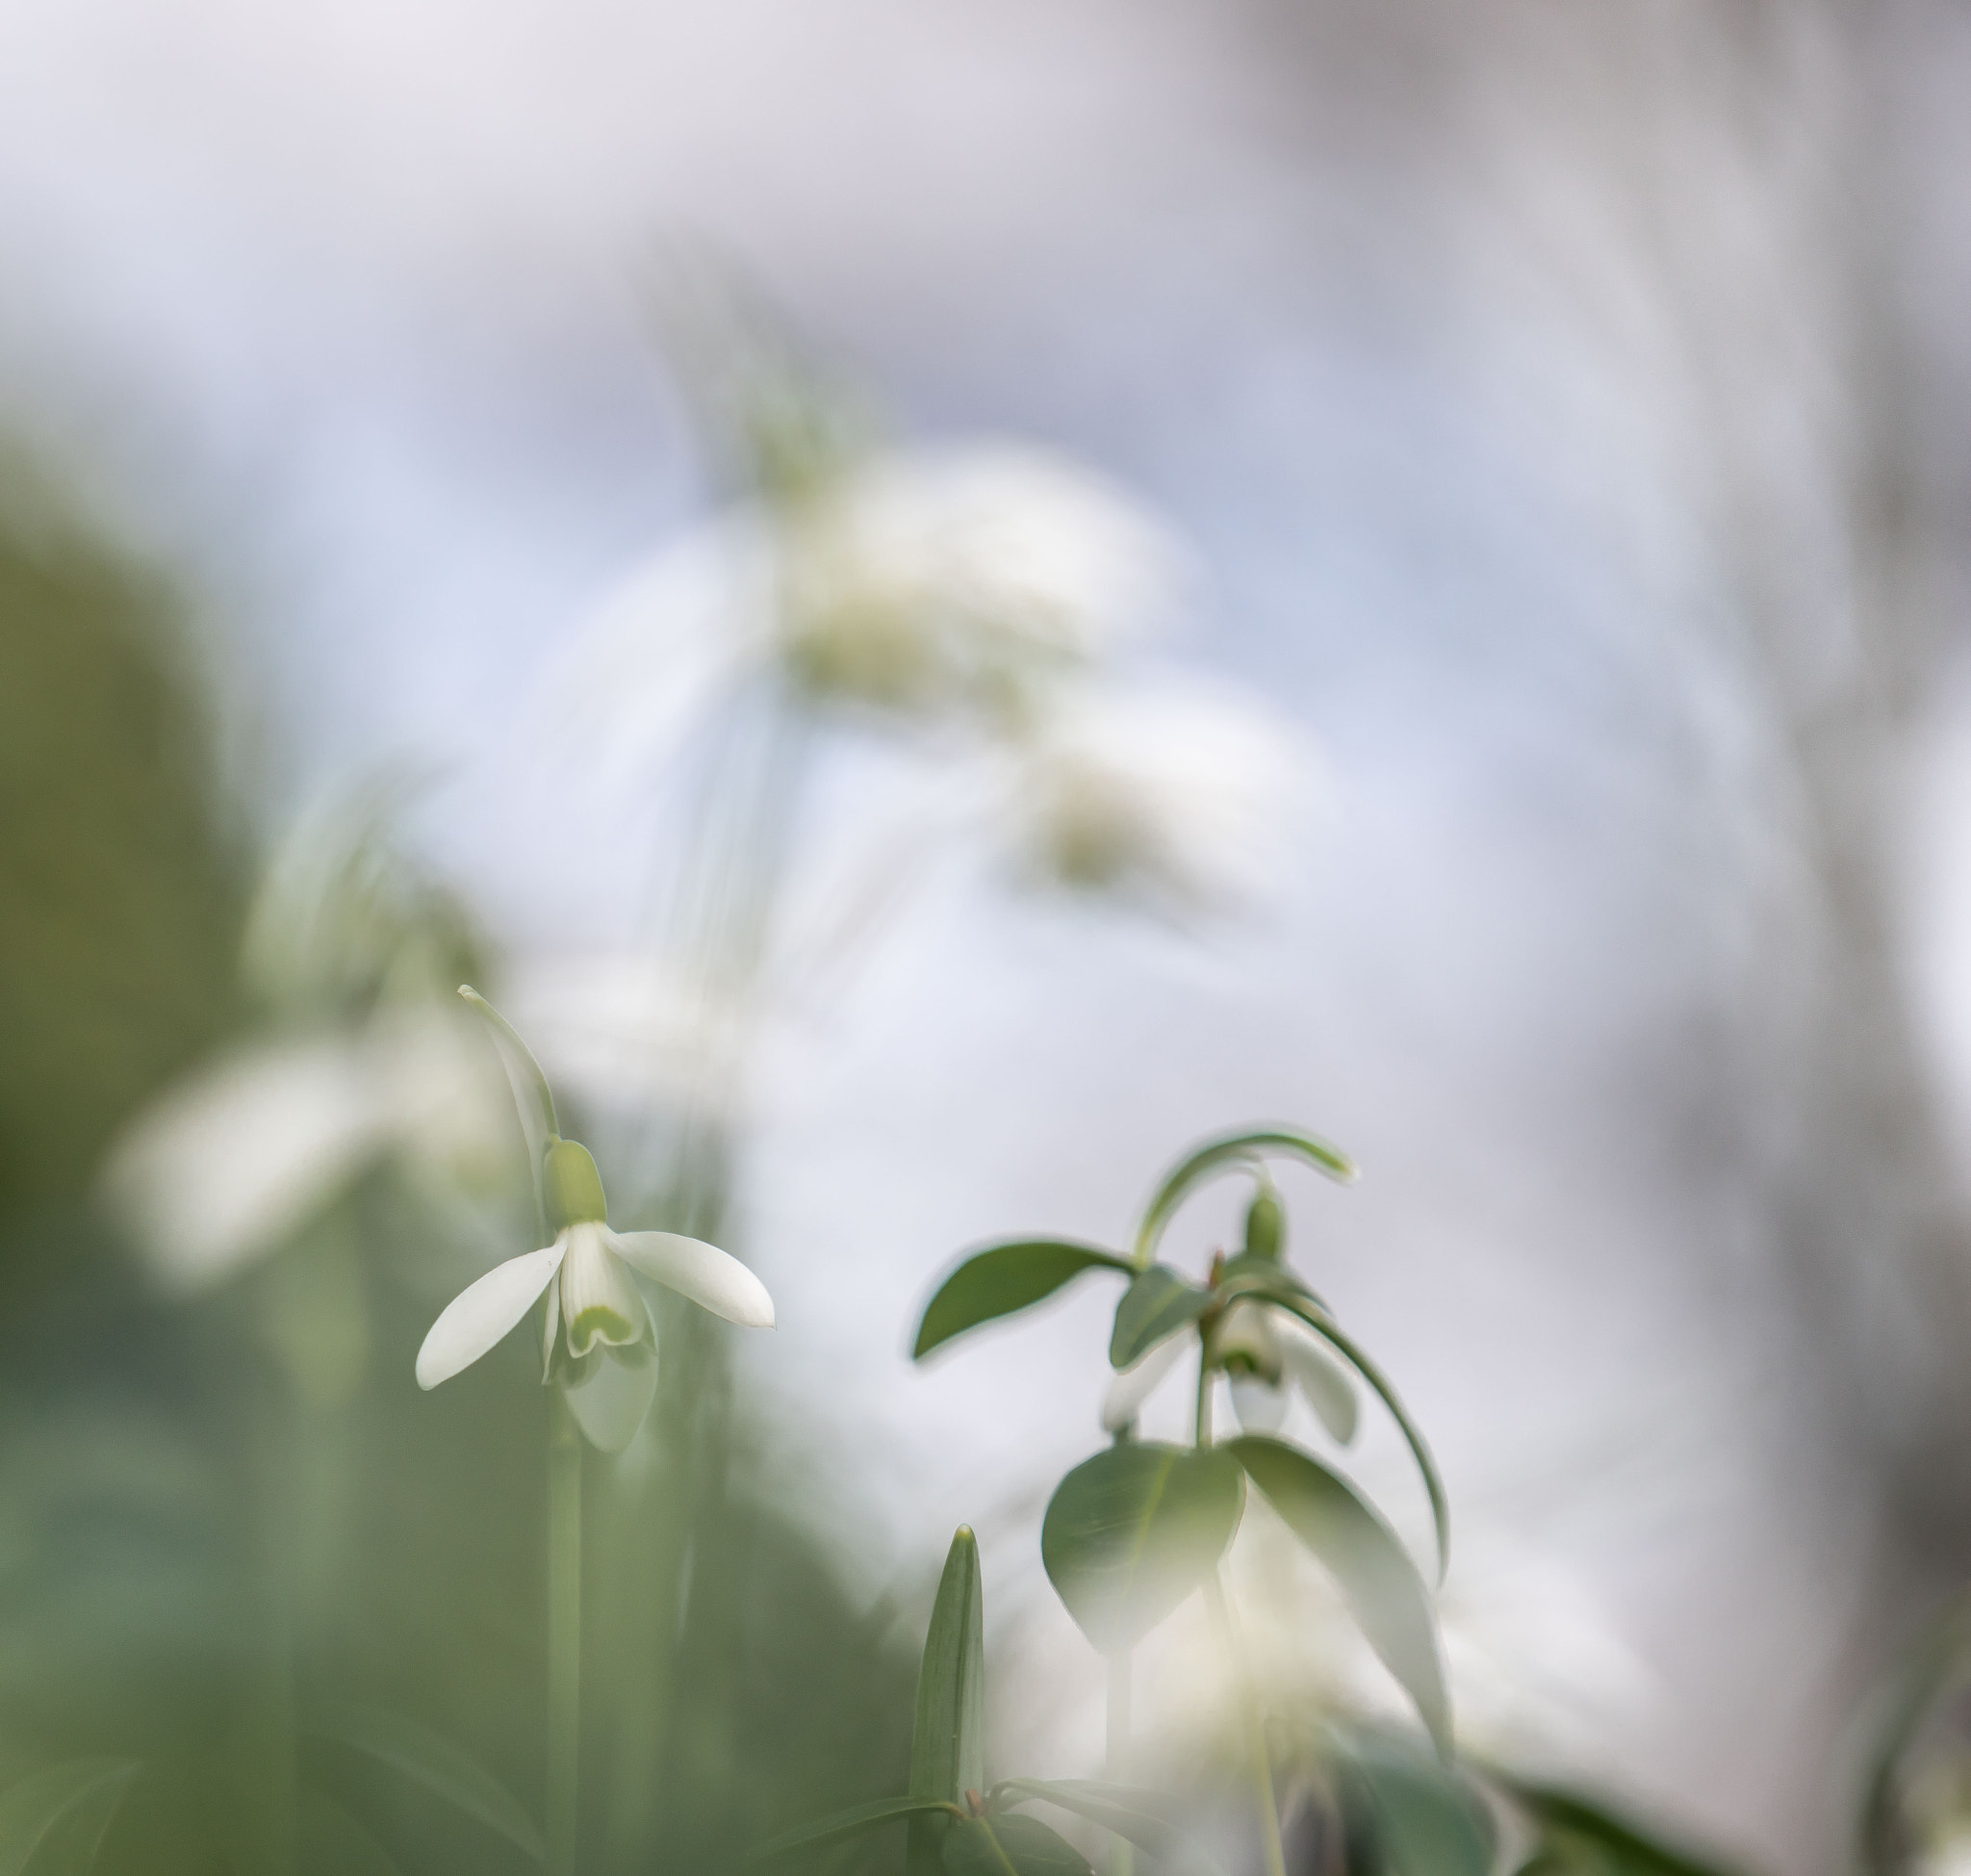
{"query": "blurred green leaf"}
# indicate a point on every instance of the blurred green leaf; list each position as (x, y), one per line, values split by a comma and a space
(1323, 1325)
(1131, 1532)
(1579, 1838)
(1246, 1143)
(852, 1822)
(1257, 1277)
(1130, 1811)
(1366, 1558)
(63, 1808)
(1422, 1817)
(948, 1742)
(1003, 1278)
(425, 1758)
(333, 1843)
(1153, 1308)
(1010, 1845)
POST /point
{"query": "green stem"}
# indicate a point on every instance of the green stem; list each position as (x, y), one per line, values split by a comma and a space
(1121, 1852)
(564, 1636)
(1259, 1765)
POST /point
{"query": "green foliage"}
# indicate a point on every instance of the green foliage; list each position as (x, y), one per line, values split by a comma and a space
(1008, 1844)
(1131, 1532)
(1154, 1307)
(857, 1821)
(1580, 1837)
(1003, 1278)
(1242, 1146)
(56, 1818)
(1384, 1592)
(1142, 1817)
(1413, 1816)
(948, 1742)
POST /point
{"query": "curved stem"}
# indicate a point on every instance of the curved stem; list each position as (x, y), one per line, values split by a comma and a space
(1259, 1766)
(564, 1636)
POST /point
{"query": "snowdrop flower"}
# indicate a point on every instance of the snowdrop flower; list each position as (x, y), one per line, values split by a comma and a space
(600, 1340)
(230, 1163)
(1181, 793)
(918, 583)
(1264, 1354)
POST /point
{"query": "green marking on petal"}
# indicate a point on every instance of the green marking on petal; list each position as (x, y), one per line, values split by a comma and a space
(598, 1323)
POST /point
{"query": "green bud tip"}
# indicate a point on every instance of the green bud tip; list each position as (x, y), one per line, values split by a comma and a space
(1265, 1225)
(571, 1186)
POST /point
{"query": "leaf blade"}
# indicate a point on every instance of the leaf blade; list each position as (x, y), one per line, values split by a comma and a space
(425, 1758)
(1384, 1592)
(1241, 1144)
(852, 1822)
(947, 1737)
(79, 1793)
(1131, 1532)
(1002, 1280)
(1121, 1808)
(1010, 1845)
(1157, 1304)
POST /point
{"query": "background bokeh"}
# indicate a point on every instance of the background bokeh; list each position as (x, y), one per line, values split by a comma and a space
(1566, 412)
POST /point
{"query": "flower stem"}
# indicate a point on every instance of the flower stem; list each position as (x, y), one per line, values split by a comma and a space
(1259, 1765)
(1121, 1852)
(564, 1636)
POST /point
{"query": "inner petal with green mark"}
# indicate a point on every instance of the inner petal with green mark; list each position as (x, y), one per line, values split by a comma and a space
(600, 1302)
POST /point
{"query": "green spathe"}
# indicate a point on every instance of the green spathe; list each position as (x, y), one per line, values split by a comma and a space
(571, 1186)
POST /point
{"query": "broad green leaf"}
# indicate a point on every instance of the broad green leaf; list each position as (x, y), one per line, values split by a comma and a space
(852, 1822)
(428, 1759)
(948, 1743)
(1154, 1307)
(332, 1842)
(1247, 1143)
(1010, 1845)
(1582, 1838)
(1131, 1532)
(1132, 1812)
(1323, 1325)
(1003, 1278)
(1385, 1594)
(1423, 1820)
(69, 1805)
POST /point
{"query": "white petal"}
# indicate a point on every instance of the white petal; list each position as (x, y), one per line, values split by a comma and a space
(549, 1329)
(707, 1274)
(1260, 1404)
(481, 1315)
(238, 1155)
(600, 1302)
(1132, 1386)
(610, 1405)
(1319, 1375)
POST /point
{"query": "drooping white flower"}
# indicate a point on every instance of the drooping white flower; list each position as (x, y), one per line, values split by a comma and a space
(1171, 790)
(598, 1340)
(1263, 1352)
(918, 582)
(228, 1163)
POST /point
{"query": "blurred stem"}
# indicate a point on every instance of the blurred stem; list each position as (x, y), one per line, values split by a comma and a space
(1121, 1852)
(1259, 1764)
(564, 1636)
(267, 1739)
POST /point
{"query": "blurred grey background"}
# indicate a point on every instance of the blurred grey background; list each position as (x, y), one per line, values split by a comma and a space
(1569, 407)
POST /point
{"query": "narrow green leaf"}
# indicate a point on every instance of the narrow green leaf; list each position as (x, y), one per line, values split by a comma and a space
(948, 1744)
(852, 1822)
(1010, 1845)
(332, 1842)
(1131, 1532)
(531, 1094)
(1153, 1308)
(1580, 1837)
(1256, 1277)
(1325, 1327)
(70, 1803)
(428, 1759)
(1384, 1592)
(1003, 1278)
(1129, 1811)
(1246, 1143)
(1423, 1820)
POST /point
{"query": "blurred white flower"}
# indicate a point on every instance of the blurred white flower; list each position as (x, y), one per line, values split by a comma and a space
(920, 582)
(229, 1163)
(1181, 792)
(598, 1339)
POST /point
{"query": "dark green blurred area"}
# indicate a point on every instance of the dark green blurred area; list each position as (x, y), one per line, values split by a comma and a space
(199, 1570)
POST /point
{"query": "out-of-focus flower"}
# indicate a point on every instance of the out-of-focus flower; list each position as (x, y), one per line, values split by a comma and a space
(1173, 791)
(598, 1340)
(1262, 1352)
(920, 583)
(229, 1163)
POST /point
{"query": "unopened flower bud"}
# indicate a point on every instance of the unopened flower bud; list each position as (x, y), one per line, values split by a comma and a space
(1265, 1225)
